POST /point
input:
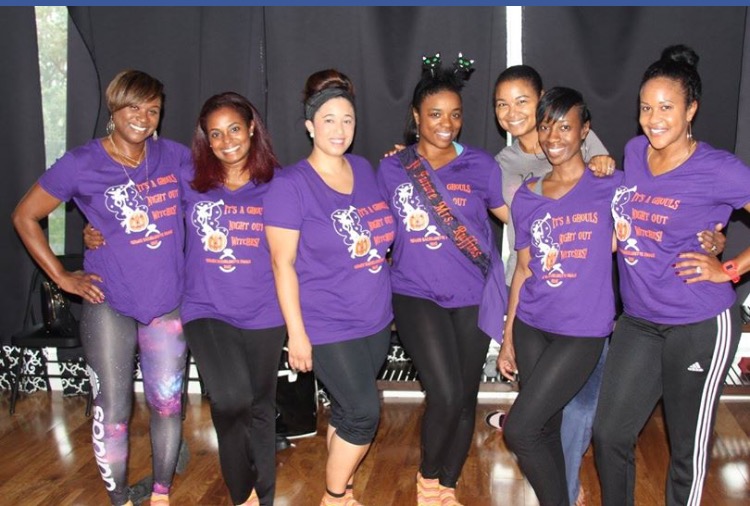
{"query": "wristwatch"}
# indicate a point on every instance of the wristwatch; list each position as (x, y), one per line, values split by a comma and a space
(730, 268)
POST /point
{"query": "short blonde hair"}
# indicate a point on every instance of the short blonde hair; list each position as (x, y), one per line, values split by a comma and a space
(131, 87)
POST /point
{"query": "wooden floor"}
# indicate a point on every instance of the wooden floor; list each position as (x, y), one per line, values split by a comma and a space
(46, 458)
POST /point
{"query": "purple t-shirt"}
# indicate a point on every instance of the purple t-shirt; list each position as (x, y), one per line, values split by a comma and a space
(570, 290)
(658, 217)
(228, 272)
(138, 212)
(345, 289)
(426, 263)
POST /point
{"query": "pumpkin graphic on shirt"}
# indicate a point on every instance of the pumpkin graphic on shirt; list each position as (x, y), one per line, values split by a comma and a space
(362, 246)
(216, 241)
(138, 221)
(622, 228)
(417, 220)
(547, 250)
(550, 259)
(347, 224)
(126, 204)
(206, 218)
(410, 208)
(622, 196)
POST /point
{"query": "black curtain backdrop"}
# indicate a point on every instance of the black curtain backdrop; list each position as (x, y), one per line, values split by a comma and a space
(603, 52)
(380, 49)
(22, 145)
(738, 230)
(266, 53)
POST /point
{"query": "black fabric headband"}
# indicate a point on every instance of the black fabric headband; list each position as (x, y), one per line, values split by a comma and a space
(314, 102)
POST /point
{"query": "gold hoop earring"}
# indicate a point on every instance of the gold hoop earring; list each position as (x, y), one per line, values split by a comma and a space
(690, 132)
(110, 126)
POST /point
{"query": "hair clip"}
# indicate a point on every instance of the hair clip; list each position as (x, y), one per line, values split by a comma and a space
(431, 63)
(463, 65)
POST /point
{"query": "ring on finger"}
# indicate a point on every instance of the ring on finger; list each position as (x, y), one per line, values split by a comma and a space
(698, 270)
(713, 249)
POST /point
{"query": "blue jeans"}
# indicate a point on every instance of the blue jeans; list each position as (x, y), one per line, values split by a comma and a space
(578, 420)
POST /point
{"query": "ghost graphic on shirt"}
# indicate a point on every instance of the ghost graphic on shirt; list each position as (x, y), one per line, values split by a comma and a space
(623, 222)
(549, 250)
(215, 238)
(346, 223)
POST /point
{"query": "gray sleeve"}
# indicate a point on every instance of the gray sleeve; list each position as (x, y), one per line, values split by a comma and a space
(592, 146)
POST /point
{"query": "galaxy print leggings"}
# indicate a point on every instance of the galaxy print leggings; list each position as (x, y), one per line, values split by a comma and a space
(110, 341)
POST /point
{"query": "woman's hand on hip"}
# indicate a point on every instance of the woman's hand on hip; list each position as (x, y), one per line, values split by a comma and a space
(83, 284)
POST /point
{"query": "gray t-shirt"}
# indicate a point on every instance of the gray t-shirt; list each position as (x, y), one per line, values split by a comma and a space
(517, 167)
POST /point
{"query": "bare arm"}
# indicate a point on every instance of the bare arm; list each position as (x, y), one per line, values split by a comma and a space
(506, 360)
(501, 213)
(695, 267)
(283, 245)
(36, 205)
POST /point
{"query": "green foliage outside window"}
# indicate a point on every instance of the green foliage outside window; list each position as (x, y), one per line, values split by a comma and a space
(52, 38)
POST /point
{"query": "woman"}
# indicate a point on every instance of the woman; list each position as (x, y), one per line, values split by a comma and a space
(680, 327)
(328, 230)
(517, 93)
(561, 307)
(432, 184)
(126, 184)
(232, 319)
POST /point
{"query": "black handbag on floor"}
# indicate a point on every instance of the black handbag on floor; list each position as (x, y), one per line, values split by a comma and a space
(56, 312)
(296, 401)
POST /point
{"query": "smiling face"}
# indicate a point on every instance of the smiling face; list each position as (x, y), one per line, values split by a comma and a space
(561, 138)
(664, 114)
(439, 118)
(515, 107)
(229, 137)
(136, 122)
(332, 127)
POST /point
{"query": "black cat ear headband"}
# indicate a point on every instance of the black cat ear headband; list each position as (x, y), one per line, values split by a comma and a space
(462, 67)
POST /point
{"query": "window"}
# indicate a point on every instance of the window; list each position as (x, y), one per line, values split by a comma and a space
(52, 37)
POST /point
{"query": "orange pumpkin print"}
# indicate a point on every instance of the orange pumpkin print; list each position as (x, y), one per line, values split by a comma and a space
(550, 259)
(362, 246)
(216, 242)
(418, 220)
(138, 221)
(622, 229)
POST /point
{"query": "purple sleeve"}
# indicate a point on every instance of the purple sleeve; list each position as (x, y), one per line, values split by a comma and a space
(60, 180)
(733, 185)
(282, 204)
(380, 178)
(520, 215)
(495, 187)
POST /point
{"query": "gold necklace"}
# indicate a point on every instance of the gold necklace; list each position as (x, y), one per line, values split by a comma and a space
(143, 152)
(133, 161)
(691, 146)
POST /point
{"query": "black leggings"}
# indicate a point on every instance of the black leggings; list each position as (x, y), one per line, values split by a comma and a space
(552, 368)
(349, 371)
(240, 368)
(448, 349)
(110, 341)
